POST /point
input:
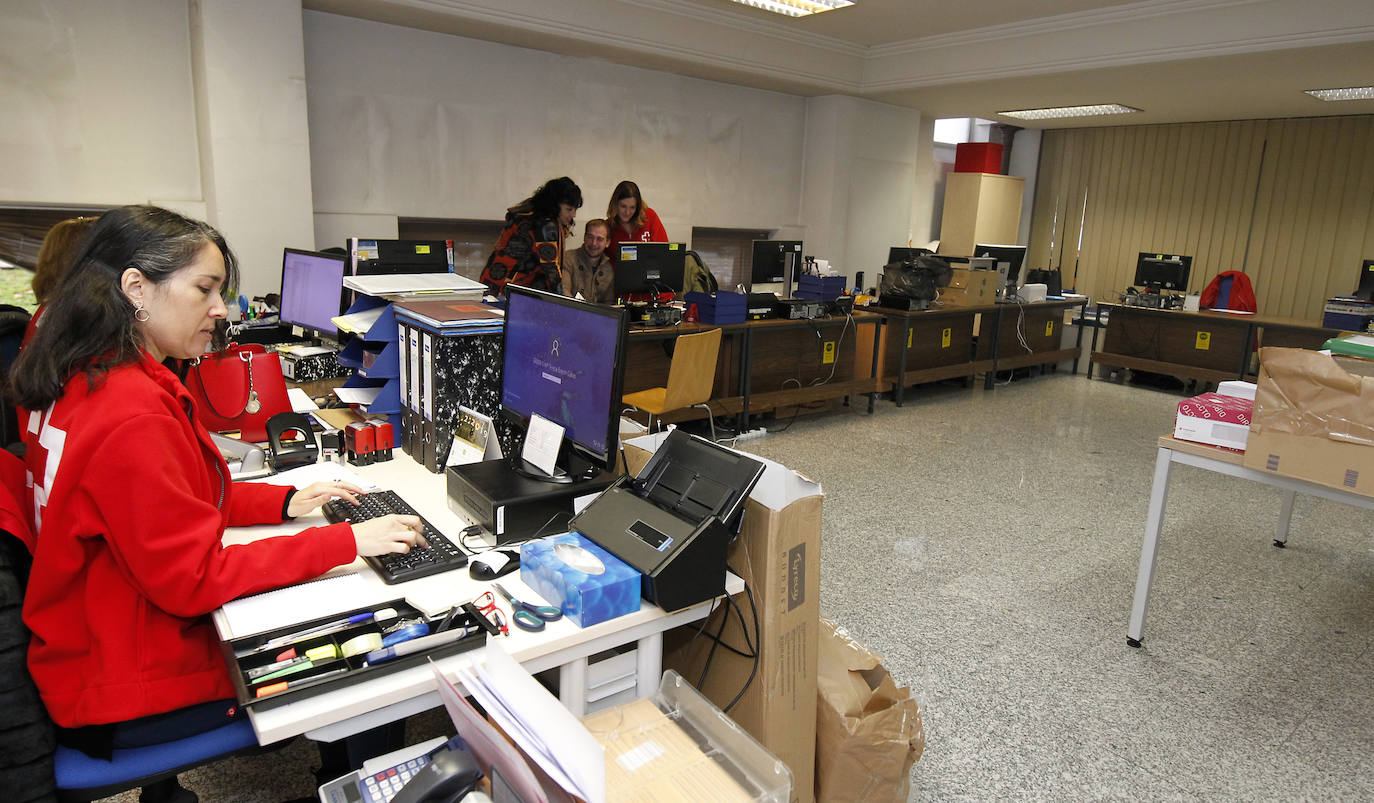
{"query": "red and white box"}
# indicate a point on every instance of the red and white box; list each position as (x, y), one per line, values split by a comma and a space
(1215, 419)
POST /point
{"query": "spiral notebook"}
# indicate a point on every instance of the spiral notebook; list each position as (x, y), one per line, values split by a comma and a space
(298, 603)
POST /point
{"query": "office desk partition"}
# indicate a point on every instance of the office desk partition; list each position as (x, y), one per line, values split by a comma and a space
(1208, 346)
(765, 365)
(935, 344)
(353, 708)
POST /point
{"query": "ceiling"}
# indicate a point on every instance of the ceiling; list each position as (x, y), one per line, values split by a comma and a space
(1177, 60)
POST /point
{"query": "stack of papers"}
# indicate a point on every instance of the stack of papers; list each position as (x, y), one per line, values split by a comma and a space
(358, 323)
(406, 285)
(535, 720)
(457, 315)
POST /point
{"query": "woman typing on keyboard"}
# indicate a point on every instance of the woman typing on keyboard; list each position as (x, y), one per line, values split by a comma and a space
(130, 497)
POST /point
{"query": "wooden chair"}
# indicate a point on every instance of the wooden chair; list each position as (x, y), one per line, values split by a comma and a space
(691, 377)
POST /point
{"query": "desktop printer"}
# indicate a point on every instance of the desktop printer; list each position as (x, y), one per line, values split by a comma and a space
(674, 521)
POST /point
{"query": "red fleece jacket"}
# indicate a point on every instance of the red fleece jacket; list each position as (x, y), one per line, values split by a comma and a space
(130, 499)
(651, 232)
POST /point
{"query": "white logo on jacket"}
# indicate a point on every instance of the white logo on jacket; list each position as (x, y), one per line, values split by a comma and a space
(51, 441)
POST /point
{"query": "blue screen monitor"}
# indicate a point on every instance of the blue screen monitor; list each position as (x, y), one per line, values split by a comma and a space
(312, 290)
(563, 359)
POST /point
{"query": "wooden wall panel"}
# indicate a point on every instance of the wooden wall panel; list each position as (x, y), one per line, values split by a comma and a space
(1290, 202)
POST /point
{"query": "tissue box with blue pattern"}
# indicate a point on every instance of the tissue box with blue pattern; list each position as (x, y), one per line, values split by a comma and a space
(590, 584)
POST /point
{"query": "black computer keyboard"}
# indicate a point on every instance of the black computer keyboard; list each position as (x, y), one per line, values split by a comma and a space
(441, 556)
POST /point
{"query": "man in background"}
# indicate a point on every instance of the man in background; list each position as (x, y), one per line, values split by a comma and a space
(589, 270)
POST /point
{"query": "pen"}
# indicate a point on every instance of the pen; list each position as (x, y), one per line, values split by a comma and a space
(291, 684)
(320, 630)
(416, 645)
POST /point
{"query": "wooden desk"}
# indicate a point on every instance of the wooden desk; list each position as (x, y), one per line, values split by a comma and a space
(935, 344)
(761, 360)
(1207, 346)
(1222, 461)
(332, 715)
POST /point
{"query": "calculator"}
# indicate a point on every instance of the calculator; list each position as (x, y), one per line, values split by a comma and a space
(382, 777)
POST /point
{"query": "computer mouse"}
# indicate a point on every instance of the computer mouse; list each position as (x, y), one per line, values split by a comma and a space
(493, 563)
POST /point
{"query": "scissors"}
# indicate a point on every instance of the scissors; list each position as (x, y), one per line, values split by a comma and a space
(530, 617)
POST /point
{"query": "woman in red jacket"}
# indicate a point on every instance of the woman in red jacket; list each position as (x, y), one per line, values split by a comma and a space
(130, 498)
(631, 220)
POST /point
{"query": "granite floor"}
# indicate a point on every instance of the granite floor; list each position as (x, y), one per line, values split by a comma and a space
(986, 544)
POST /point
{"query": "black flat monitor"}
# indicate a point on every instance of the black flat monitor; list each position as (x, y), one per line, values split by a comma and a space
(1366, 287)
(1013, 255)
(371, 257)
(771, 261)
(905, 253)
(312, 290)
(1162, 271)
(650, 268)
(563, 359)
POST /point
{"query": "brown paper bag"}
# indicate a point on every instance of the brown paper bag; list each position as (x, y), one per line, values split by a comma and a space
(868, 730)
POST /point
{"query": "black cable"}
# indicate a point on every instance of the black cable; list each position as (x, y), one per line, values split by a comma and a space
(754, 670)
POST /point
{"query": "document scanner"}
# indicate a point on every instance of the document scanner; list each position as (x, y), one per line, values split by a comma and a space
(674, 521)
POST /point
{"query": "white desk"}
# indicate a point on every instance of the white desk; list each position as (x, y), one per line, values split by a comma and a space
(330, 716)
(1222, 461)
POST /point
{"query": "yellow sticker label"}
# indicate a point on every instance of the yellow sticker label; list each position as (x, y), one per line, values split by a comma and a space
(422, 249)
(1204, 341)
(910, 333)
(673, 246)
(945, 336)
(1049, 328)
(828, 352)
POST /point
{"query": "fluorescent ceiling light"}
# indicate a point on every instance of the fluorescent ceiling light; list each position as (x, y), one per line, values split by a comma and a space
(1348, 93)
(796, 8)
(1070, 111)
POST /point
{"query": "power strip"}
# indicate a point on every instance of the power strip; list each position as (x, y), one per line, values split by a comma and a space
(751, 434)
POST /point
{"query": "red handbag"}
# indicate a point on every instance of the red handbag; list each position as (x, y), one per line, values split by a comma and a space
(238, 389)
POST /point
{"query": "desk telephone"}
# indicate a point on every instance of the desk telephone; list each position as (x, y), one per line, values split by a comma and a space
(423, 773)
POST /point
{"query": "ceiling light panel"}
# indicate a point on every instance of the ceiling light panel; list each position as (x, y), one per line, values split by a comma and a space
(796, 8)
(1093, 110)
(1348, 93)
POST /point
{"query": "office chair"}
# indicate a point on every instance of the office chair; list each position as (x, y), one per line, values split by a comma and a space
(691, 377)
(29, 754)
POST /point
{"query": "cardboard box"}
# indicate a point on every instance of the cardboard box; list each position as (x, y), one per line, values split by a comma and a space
(968, 288)
(778, 555)
(978, 157)
(1314, 419)
(1214, 419)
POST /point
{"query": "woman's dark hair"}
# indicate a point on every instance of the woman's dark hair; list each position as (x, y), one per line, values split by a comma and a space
(623, 190)
(555, 191)
(89, 323)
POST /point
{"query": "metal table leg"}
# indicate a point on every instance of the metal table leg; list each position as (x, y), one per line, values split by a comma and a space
(1154, 520)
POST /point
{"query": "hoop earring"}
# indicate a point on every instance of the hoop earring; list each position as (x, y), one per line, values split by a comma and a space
(140, 314)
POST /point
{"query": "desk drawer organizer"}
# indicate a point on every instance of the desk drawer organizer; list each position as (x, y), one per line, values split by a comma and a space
(248, 658)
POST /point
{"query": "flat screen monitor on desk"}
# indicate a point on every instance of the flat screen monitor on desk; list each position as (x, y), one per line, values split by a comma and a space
(369, 257)
(312, 290)
(1366, 286)
(650, 268)
(776, 261)
(1162, 271)
(1008, 259)
(563, 360)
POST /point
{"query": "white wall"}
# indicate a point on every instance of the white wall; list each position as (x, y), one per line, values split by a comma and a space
(249, 67)
(98, 103)
(861, 181)
(412, 123)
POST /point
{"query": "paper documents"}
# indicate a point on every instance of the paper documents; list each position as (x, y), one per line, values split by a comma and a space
(404, 284)
(363, 396)
(547, 732)
(358, 323)
(298, 603)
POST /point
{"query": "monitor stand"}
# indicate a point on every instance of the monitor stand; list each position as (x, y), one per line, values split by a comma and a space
(562, 475)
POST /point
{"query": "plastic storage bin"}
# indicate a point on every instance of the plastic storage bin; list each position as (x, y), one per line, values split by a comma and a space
(677, 745)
